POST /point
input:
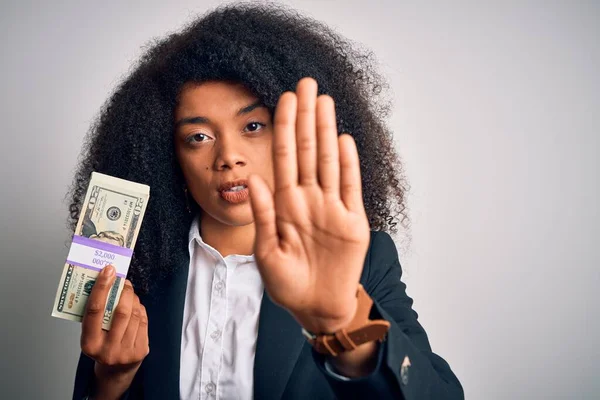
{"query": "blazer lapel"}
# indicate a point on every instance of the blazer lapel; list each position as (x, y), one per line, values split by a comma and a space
(278, 346)
(165, 317)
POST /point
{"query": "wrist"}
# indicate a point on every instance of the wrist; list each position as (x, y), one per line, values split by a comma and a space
(111, 382)
(326, 325)
(359, 331)
(358, 362)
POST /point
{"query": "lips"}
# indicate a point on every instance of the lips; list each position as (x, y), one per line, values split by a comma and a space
(228, 185)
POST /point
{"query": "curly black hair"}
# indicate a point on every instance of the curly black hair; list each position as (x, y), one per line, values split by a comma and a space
(268, 48)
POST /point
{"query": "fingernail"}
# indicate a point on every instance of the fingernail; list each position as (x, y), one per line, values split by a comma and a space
(128, 283)
(108, 271)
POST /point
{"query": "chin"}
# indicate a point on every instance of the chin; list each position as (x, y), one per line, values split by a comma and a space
(237, 217)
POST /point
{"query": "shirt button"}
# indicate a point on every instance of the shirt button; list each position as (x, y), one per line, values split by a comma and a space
(215, 335)
(210, 387)
(219, 285)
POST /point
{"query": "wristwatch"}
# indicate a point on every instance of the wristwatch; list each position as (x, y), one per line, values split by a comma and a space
(360, 330)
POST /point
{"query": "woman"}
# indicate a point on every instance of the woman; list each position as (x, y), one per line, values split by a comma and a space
(254, 189)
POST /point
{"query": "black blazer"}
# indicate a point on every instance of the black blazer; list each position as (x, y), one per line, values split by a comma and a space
(285, 366)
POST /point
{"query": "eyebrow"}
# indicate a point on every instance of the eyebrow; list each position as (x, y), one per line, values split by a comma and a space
(203, 120)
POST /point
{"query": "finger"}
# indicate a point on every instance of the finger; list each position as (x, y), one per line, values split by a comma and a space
(306, 138)
(130, 334)
(141, 340)
(351, 185)
(263, 210)
(121, 315)
(328, 154)
(91, 327)
(284, 142)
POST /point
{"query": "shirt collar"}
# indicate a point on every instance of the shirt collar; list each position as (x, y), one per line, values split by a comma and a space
(195, 230)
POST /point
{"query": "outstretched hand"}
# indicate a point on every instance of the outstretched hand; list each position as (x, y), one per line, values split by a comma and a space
(312, 232)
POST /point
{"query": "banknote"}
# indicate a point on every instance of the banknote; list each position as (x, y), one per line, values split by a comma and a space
(108, 226)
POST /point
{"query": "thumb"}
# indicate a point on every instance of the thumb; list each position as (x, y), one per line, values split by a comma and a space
(263, 210)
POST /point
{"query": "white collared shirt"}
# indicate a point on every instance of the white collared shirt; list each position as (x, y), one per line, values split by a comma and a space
(220, 323)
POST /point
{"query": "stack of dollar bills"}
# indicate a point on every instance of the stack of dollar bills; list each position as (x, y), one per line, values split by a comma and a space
(106, 232)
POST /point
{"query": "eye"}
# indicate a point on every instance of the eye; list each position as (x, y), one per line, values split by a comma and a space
(196, 138)
(255, 126)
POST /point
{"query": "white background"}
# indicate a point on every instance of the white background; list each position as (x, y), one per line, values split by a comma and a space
(495, 115)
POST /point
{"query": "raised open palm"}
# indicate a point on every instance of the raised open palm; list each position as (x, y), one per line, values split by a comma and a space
(312, 232)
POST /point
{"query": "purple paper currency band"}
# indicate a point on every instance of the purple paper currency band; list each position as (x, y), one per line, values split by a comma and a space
(92, 268)
(96, 244)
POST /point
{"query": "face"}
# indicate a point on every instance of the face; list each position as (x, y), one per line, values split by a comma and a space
(222, 135)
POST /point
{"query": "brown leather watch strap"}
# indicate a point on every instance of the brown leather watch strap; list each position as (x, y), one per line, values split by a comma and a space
(360, 330)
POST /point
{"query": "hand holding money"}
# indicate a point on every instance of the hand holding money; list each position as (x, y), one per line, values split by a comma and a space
(108, 226)
(119, 352)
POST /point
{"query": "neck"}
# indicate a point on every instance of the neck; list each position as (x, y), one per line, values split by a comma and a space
(228, 239)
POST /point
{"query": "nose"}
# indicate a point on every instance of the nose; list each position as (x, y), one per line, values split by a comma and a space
(229, 153)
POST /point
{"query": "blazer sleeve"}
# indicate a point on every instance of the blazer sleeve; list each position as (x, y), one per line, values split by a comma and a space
(84, 378)
(425, 375)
